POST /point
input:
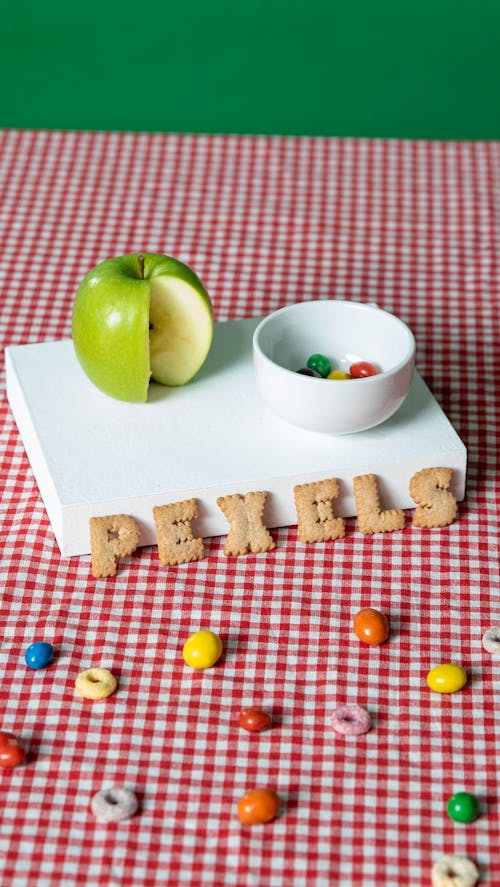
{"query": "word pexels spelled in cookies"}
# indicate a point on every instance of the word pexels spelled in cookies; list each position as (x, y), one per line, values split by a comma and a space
(117, 535)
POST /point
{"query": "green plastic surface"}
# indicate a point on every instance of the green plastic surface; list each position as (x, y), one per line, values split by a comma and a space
(377, 68)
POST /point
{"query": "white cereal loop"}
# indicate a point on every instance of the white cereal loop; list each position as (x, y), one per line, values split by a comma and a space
(114, 804)
(491, 641)
(350, 720)
(96, 683)
(454, 871)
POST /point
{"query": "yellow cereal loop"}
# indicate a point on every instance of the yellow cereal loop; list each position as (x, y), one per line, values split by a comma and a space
(96, 683)
(447, 678)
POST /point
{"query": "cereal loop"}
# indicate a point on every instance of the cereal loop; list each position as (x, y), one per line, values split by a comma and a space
(350, 720)
(114, 804)
(96, 683)
(454, 871)
(491, 641)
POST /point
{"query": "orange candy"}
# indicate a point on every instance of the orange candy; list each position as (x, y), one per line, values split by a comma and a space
(259, 805)
(371, 626)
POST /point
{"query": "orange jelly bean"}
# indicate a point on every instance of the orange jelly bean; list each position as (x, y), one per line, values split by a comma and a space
(259, 805)
(371, 626)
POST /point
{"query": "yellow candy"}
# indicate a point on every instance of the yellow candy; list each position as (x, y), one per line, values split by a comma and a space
(447, 678)
(202, 649)
(338, 374)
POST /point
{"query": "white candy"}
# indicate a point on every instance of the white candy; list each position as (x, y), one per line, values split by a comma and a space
(114, 804)
(454, 871)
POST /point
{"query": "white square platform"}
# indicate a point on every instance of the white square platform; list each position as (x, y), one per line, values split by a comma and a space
(92, 455)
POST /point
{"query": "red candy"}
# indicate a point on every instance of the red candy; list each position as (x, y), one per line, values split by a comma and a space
(12, 751)
(362, 369)
(254, 720)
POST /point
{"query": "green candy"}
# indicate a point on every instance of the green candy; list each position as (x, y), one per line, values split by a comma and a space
(462, 807)
(320, 363)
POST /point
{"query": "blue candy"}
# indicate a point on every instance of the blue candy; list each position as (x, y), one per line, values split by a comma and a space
(39, 654)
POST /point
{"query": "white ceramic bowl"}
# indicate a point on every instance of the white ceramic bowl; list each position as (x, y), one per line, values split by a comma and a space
(346, 332)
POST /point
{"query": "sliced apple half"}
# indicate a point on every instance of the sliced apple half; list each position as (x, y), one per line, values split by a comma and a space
(140, 316)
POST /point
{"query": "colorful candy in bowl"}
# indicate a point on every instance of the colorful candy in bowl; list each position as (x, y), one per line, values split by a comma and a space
(347, 334)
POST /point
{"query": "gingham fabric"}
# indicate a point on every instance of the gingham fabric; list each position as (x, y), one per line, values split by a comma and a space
(265, 222)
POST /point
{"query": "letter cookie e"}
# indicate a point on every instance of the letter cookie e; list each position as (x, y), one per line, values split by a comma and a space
(176, 543)
(315, 519)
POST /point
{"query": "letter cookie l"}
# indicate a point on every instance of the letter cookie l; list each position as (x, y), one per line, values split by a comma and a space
(370, 517)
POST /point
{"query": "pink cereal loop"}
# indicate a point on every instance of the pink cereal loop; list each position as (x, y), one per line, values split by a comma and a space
(491, 641)
(350, 720)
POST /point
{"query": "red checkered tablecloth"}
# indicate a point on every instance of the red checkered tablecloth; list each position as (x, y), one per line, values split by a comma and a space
(264, 222)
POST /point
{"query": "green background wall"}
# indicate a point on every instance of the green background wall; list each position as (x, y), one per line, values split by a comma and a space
(380, 68)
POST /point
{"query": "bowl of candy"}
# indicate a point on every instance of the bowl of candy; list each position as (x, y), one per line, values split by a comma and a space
(333, 366)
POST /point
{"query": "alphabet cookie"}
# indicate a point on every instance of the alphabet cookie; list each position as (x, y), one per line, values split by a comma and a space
(246, 531)
(315, 518)
(437, 506)
(371, 519)
(111, 537)
(176, 543)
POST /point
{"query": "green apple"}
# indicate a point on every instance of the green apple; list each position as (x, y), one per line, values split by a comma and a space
(138, 317)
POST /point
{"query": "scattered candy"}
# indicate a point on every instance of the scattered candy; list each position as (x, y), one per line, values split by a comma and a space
(96, 683)
(320, 364)
(259, 805)
(39, 654)
(350, 720)
(305, 371)
(202, 649)
(462, 807)
(362, 370)
(338, 374)
(12, 750)
(491, 641)
(454, 871)
(447, 678)
(254, 720)
(371, 626)
(114, 804)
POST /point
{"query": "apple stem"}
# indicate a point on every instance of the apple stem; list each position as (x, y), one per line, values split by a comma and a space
(140, 259)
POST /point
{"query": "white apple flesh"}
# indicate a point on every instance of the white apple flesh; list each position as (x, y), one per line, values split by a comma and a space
(138, 317)
(178, 330)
